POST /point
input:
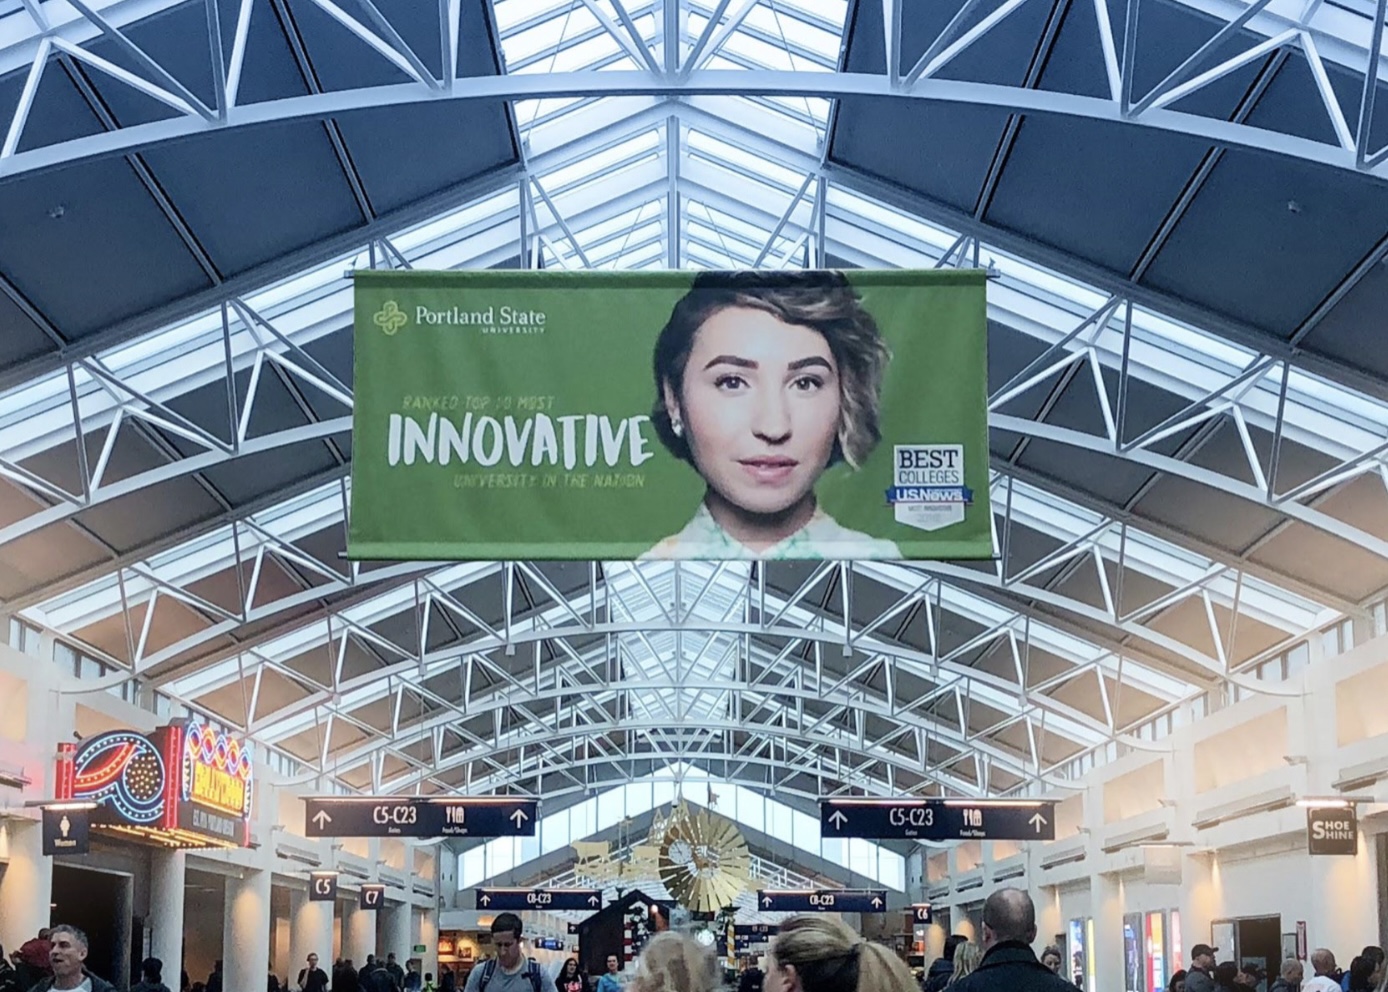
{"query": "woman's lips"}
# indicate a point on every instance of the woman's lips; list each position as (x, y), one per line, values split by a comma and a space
(768, 470)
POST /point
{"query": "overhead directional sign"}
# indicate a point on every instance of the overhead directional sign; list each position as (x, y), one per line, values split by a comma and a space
(921, 915)
(937, 819)
(822, 901)
(756, 931)
(372, 897)
(419, 816)
(322, 886)
(541, 899)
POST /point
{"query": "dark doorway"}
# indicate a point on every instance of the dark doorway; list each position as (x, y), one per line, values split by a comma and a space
(92, 902)
(1260, 942)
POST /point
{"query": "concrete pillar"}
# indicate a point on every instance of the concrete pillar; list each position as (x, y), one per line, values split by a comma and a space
(1048, 918)
(246, 932)
(1106, 904)
(396, 931)
(167, 879)
(123, 926)
(26, 885)
(1201, 899)
(427, 933)
(358, 934)
(310, 932)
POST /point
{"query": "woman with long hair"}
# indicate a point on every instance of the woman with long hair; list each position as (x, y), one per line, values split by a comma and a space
(571, 978)
(966, 958)
(674, 962)
(815, 953)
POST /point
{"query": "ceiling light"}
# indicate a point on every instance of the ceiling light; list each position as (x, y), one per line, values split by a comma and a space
(1330, 802)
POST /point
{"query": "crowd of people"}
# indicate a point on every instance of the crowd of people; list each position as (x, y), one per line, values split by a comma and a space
(811, 953)
(1367, 973)
(56, 960)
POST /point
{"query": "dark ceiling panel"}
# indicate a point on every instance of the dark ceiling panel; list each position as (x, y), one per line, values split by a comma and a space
(938, 150)
(177, 40)
(37, 559)
(20, 336)
(465, 138)
(1100, 191)
(256, 194)
(1326, 561)
(156, 511)
(76, 227)
(1209, 515)
(1354, 330)
(1267, 238)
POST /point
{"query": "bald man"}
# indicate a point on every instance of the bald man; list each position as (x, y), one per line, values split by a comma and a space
(1327, 977)
(1009, 964)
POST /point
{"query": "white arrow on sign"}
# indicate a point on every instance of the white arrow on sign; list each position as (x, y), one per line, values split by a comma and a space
(766, 900)
(876, 903)
(520, 817)
(486, 900)
(1038, 821)
(592, 900)
(838, 819)
(322, 818)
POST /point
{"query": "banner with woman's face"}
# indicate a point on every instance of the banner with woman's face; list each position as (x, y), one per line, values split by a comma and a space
(667, 415)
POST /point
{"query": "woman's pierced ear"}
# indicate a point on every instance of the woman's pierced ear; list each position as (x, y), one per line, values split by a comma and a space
(677, 427)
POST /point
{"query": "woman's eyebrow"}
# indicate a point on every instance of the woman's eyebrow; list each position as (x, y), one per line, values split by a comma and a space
(742, 363)
(814, 361)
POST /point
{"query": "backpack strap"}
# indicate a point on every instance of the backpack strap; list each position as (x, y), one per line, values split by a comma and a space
(533, 973)
(488, 970)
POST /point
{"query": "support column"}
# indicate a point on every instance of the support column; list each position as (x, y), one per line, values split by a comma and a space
(167, 879)
(1106, 906)
(123, 927)
(246, 931)
(427, 933)
(395, 931)
(310, 932)
(358, 934)
(26, 885)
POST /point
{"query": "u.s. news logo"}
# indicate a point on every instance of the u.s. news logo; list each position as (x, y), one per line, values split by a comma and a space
(928, 490)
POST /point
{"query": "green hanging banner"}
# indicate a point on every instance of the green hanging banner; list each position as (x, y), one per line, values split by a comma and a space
(664, 415)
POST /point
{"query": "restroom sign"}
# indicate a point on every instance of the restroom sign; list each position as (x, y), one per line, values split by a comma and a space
(1332, 831)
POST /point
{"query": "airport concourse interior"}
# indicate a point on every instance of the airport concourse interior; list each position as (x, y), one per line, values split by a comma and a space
(686, 495)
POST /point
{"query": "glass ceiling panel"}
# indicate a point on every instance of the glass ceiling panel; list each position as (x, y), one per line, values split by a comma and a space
(556, 831)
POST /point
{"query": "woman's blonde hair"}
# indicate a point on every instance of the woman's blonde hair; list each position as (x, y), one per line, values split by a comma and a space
(673, 962)
(829, 957)
(966, 958)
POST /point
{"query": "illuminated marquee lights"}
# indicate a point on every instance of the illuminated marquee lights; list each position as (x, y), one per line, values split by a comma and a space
(216, 770)
(123, 770)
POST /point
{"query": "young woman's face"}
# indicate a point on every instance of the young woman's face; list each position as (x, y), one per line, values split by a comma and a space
(760, 408)
(1052, 962)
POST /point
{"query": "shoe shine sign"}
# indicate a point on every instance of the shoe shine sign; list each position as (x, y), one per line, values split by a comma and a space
(1332, 830)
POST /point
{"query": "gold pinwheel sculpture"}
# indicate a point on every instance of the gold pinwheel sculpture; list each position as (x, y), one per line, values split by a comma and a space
(704, 862)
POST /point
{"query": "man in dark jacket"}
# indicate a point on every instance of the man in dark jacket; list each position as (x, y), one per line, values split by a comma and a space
(1202, 966)
(942, 969)
(67, 958)
(1009, 964)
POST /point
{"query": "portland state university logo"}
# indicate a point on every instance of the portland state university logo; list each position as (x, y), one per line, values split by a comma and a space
(390, 318)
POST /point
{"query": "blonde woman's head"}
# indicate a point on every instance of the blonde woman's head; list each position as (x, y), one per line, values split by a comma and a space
(815, 953)
(966, 958)
(673, 962)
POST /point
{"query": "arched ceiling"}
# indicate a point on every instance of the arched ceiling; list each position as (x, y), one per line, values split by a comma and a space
(1182, 205)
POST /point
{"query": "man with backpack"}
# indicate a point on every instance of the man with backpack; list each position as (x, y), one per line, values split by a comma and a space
(510, 970)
